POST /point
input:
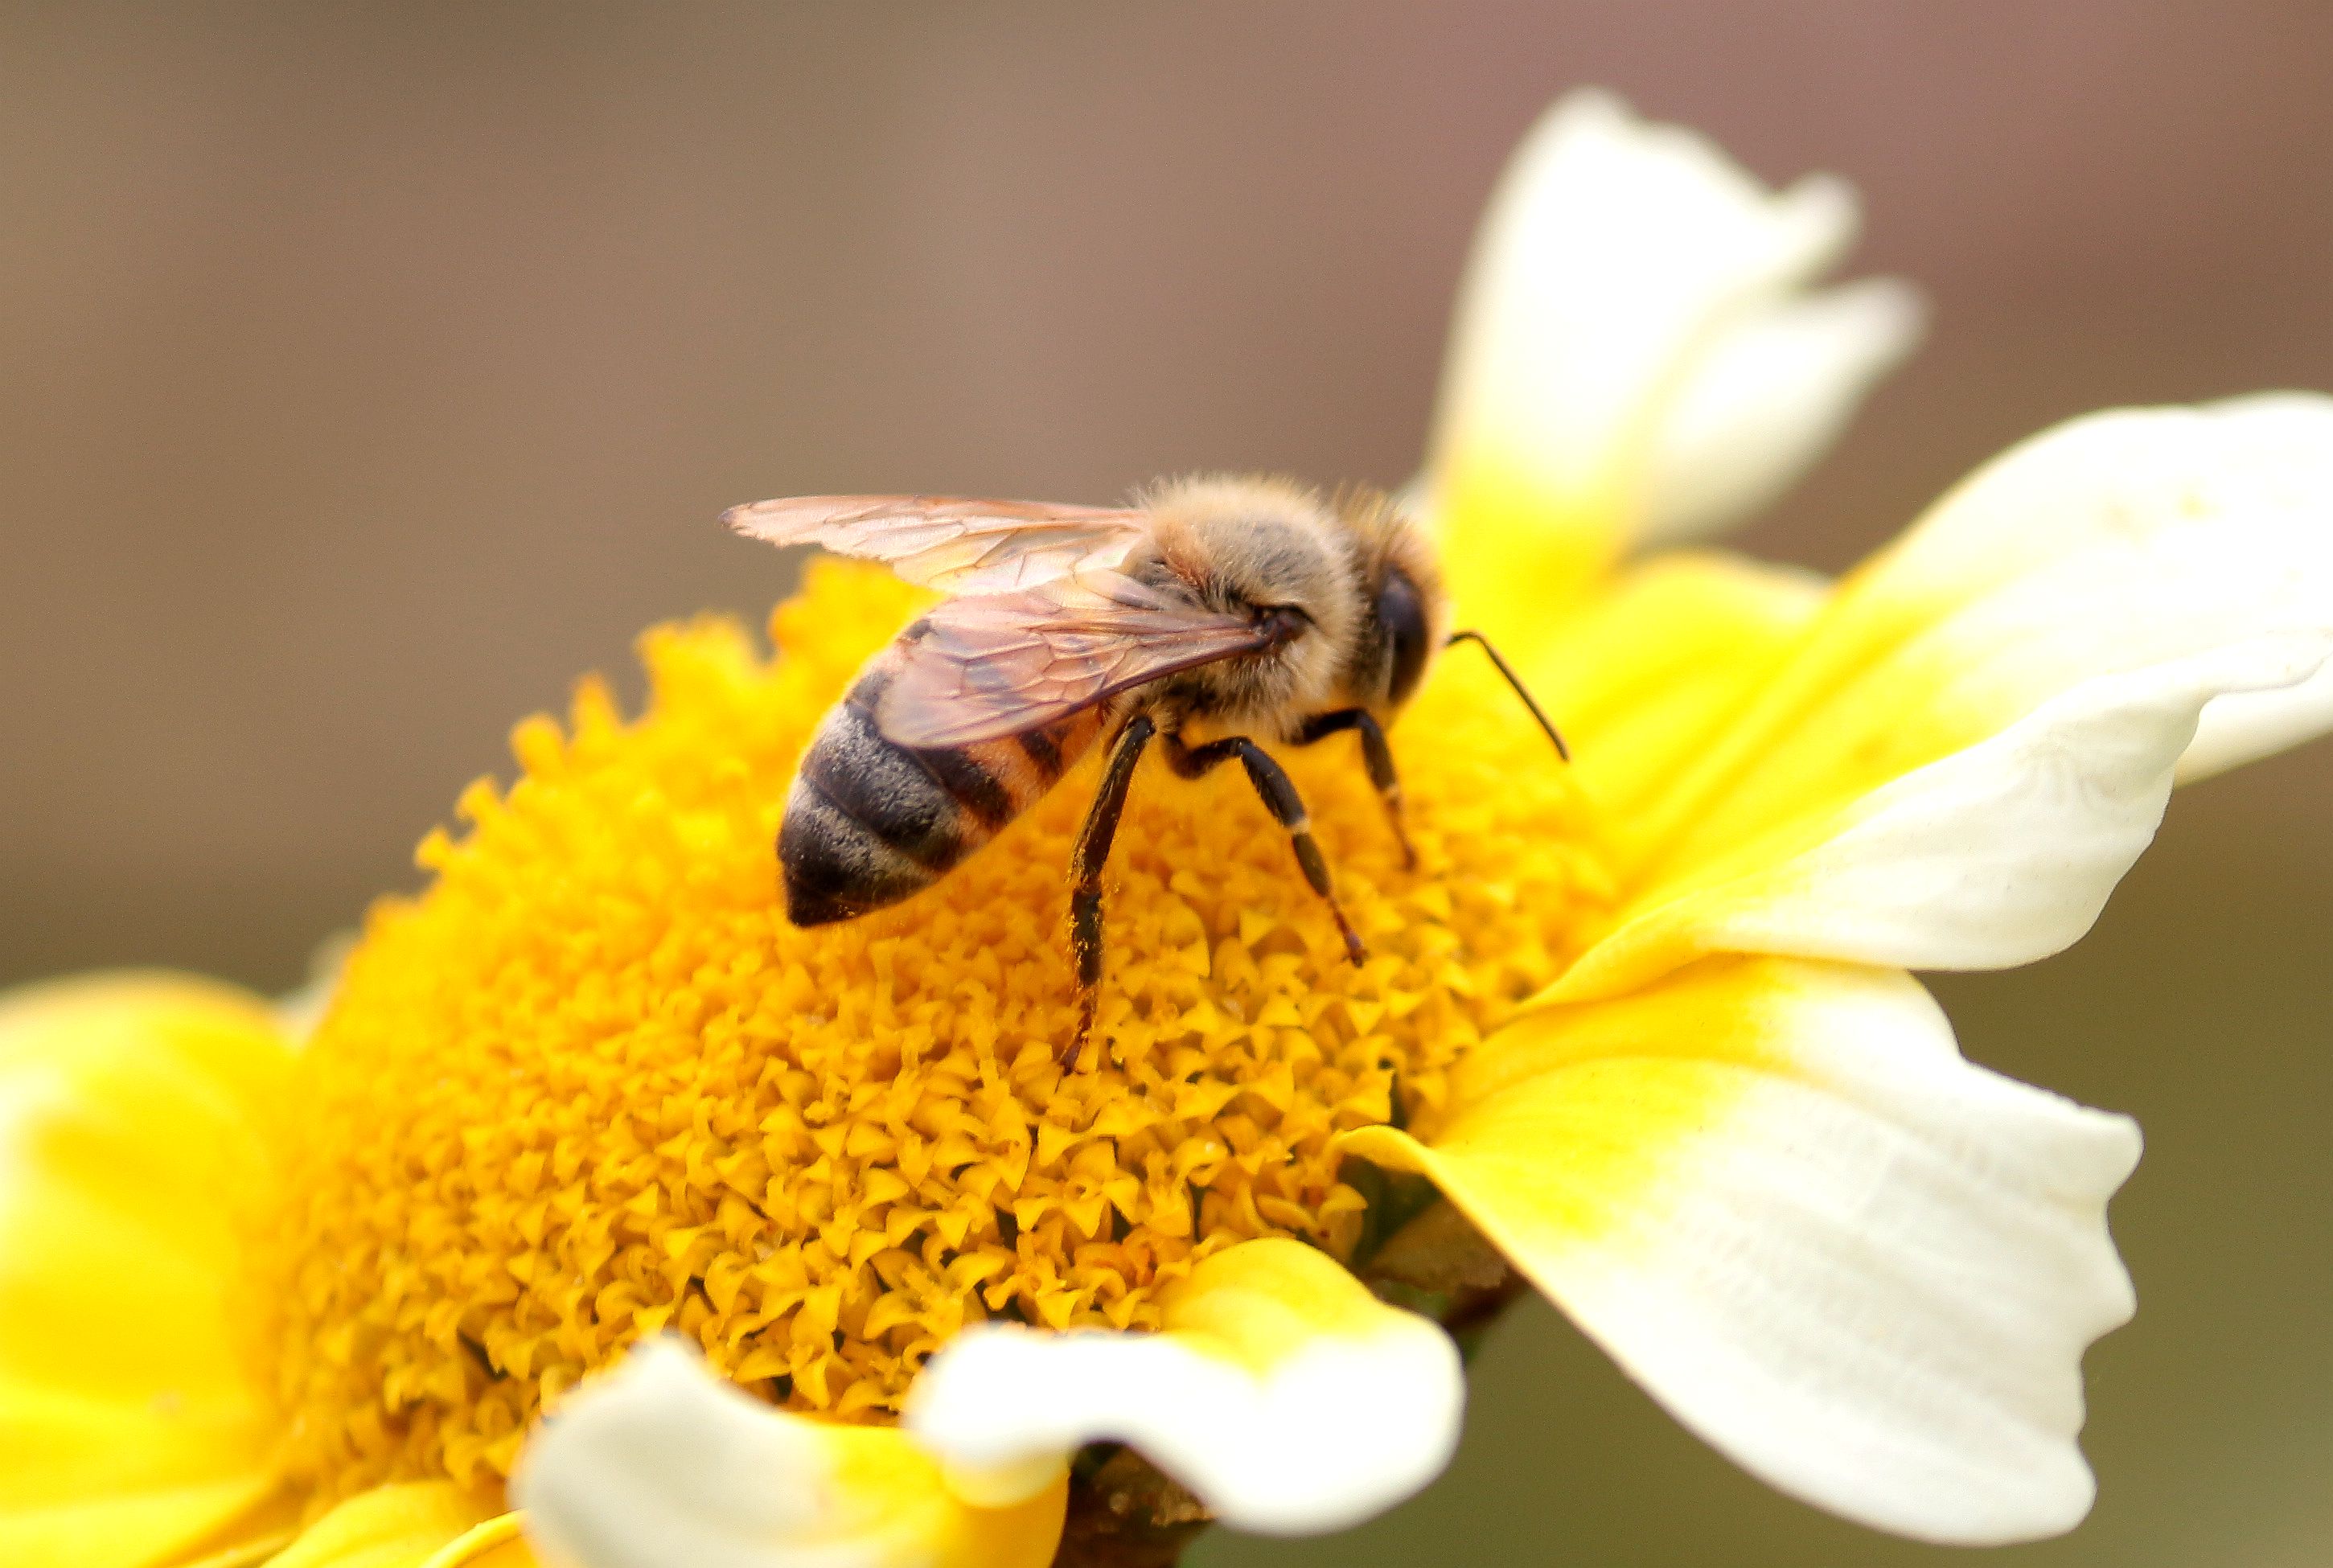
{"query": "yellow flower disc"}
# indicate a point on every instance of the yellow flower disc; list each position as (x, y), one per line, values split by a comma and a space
(592, 1084)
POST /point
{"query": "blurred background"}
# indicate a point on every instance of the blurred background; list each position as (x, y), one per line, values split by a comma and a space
(365, 373)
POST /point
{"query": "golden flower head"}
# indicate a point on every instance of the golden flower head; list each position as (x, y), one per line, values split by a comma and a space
(592, 1084)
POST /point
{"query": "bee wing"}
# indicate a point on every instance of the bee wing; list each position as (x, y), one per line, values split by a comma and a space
(1003, 664)
(958, 543)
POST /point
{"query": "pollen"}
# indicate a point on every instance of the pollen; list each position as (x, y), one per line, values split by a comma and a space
(591, 1085)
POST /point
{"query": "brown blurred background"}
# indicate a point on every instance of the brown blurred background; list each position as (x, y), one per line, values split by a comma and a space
(365, 373)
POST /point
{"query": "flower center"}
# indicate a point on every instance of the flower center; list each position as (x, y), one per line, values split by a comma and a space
(591, 1084)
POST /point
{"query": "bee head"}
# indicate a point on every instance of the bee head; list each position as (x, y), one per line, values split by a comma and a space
(1406, 612)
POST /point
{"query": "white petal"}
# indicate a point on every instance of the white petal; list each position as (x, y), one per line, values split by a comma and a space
(1281, 1393)
(1767, 398)
(1995, 856)
(662, 1462)
(1864, 1268)
(1616, 259)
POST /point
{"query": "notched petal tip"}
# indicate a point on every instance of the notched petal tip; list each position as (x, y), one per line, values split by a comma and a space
(1283, 1395)
(1632, 361)
(1862, 1268)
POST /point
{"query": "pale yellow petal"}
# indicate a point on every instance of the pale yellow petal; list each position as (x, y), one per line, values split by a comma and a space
(2110, 544)
(1630, 359)
(663, 1462)
(1860, 1266)
(137, 1119)
(1280, 1390)
(1969, 744)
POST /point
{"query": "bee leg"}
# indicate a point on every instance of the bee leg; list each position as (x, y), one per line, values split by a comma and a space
(1287, 808)
(1086, 862)
(1376, 755)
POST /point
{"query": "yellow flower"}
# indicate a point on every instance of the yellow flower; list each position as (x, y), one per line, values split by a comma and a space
(886, 1272)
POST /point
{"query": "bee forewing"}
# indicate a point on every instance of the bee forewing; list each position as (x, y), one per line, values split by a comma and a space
(1003, 664)
(961, 544)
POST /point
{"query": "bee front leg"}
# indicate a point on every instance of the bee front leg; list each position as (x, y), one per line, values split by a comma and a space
(1086, 862)
(1376, 755)
(1287, 808)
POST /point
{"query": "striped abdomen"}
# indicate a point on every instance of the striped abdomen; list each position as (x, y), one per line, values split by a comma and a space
(871, 822)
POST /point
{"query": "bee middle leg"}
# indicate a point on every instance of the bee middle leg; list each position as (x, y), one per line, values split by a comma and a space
(1086, 862)
(1376, 755)
(1280, 797)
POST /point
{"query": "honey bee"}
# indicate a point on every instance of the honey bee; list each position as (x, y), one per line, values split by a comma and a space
(1238, 606)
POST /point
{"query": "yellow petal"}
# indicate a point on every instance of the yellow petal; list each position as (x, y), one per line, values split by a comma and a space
(1280, 1390)
(252, 1552)
(1629, 359)
(663, 1462)
(137, 1118)
(1648, 671)
(1977, 734)
(415, 1524)
(1860, 1266)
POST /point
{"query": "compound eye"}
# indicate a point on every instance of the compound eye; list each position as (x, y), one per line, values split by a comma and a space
(1401, 616)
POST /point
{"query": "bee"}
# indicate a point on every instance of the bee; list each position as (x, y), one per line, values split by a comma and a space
(1238, 607)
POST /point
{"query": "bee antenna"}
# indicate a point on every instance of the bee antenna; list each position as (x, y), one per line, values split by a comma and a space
(1515, 681)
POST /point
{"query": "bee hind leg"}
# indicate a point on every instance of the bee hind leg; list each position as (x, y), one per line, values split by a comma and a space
(1280, 797)
(1090, 854)
(1376, 755)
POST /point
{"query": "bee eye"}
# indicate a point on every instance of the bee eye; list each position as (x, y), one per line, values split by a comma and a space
(1401, 616)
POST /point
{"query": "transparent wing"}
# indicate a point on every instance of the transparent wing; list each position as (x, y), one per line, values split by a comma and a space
(958, 543)
(1001, 664)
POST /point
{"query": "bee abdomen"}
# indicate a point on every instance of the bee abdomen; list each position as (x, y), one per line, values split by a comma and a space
(834, 867)
(871, 822)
